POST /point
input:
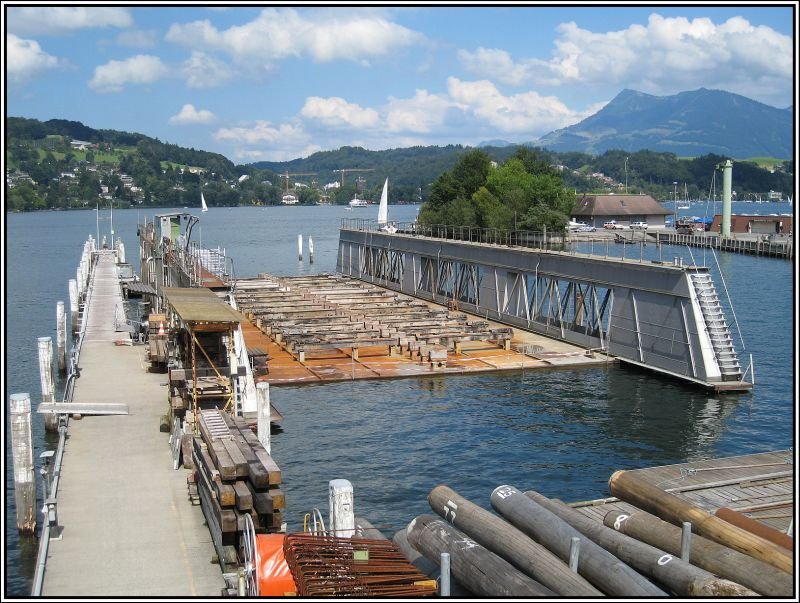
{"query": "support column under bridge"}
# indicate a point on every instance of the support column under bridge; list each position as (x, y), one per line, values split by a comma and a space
(660, 316)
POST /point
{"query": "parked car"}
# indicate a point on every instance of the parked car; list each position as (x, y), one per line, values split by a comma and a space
(587, 228)
(610, 225)
(639, 225)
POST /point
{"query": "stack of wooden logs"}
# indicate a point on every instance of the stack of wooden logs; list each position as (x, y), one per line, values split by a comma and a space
(530, 549)
(235, 476)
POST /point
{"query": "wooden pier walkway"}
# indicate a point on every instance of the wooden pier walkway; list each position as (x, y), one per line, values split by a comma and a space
(129, 528)
(761, 486)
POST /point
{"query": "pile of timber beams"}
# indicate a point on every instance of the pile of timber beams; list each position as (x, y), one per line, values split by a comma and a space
(323, 312)
(235, 477)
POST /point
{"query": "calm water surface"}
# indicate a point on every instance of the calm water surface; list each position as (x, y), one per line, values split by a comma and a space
(561, 432)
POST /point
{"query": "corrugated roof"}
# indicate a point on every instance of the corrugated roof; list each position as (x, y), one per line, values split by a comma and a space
(619, 205)
(200, 305)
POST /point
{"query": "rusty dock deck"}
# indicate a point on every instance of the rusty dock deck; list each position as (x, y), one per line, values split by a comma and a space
(127, 526)
(333, 328)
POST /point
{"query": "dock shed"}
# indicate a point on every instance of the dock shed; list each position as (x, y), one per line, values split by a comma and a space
(202, 356)
(596, 210)
(757, 224)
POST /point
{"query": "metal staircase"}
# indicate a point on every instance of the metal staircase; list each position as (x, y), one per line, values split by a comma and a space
(716, 326)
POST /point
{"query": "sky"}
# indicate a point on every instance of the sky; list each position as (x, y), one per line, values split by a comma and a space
(275, 83)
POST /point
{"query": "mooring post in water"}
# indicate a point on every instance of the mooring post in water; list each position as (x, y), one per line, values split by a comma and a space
(73, 304)
(46, 378)
(342, 519)
(264, 413)
(19, 410)
(444, 578)
(300, 247)
(61, 337)
(310, 250)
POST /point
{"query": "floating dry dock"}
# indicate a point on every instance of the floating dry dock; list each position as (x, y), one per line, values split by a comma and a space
(332, 327)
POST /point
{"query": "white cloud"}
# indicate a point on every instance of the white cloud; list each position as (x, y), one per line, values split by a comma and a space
(189, 115)
(336, 112)
(280, 33)
(25, 59)
(264, 141)
(262, 132)
(524, 113)
(498, 64)
(420, 114)
(141, 69)
(663, 57)
(138, 38)
(59, 20)
(204, 71)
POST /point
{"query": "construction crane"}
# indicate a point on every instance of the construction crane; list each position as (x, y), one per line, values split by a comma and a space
(353, 170)
(287, 174)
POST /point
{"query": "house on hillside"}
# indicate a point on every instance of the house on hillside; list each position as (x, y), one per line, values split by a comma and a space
(596, 210)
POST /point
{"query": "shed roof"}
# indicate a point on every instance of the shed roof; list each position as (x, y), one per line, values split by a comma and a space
(619, 205)
(200, 305)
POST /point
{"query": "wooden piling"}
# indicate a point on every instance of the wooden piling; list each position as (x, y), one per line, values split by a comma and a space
(478, 569)
(425, 565)
(310, 250)
(509, 543)
(46, 379)
(73, 304)
(597, 565)
(756, 527)
(263, 413)
(679, 576)
(300, 247)
(629, 487)
(19, 410)
(61, 337)
(707, 554)
(342, 521)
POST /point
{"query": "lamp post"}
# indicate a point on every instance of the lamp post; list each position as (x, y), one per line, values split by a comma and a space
(675, 199)
(626, 175)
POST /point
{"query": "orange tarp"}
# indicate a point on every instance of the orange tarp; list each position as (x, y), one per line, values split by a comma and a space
(274, 576)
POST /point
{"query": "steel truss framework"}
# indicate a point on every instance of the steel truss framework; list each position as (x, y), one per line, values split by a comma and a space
(646, 314)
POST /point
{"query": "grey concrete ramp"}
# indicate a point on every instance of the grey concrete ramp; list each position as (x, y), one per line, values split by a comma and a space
(129, 528)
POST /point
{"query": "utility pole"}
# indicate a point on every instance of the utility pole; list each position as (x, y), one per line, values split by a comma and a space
(626, 175)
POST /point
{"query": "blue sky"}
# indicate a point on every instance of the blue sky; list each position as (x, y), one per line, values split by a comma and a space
(276, 83)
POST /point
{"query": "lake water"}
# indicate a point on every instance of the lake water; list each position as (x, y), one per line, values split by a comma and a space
(561, 432)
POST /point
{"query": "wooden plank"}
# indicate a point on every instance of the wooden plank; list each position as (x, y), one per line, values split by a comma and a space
(244, 498)
(222, 460)
(262, 501)
(278, 498)
(242, 467)
(270, 465)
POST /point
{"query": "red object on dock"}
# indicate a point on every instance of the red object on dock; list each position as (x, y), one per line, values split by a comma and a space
(274, 576)
(161, 328)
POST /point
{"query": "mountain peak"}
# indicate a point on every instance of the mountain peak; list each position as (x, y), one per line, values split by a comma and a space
(690, 123)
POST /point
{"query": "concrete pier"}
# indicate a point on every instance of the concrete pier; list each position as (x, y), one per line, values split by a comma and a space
(129, 528)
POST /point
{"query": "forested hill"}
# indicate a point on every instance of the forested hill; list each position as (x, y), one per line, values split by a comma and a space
(37, 132)
(66, 164)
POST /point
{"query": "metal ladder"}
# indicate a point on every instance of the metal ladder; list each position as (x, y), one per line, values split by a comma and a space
(716, 327)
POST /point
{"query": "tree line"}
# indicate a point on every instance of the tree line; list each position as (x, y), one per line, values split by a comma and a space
(161, 174)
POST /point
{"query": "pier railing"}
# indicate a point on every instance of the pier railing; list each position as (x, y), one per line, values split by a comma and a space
(606, 245)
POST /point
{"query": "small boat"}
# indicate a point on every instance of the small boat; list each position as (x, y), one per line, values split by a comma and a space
(356, 202)
(383, 211)
(203, 202)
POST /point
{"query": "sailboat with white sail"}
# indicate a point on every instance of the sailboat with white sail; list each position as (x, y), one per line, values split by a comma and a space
(383, 211)
(203, 202)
